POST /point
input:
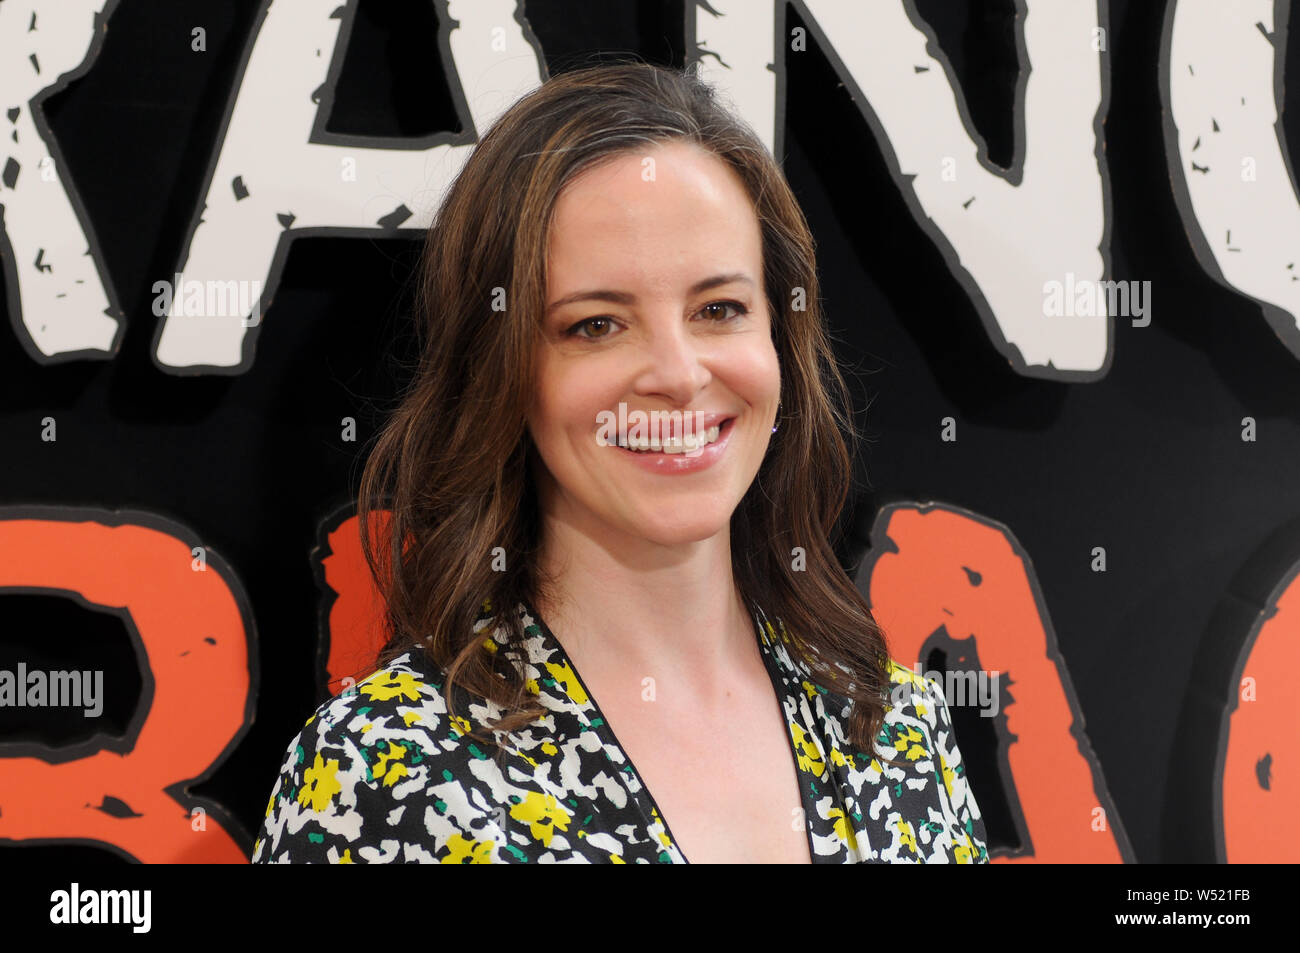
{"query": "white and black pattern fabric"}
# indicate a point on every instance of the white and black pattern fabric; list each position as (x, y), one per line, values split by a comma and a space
(381, 774)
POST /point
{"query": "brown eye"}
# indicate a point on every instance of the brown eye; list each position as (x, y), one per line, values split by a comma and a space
(720, 318)
(573, 331)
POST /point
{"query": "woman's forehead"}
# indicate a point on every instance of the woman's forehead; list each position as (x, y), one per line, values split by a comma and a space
(622, 225)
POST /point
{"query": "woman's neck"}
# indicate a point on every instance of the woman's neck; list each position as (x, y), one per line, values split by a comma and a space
(630, 606)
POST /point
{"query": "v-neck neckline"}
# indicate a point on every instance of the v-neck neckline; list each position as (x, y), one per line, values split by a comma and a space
(599, 723)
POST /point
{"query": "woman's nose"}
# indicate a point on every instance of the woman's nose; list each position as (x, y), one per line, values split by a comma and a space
(674, 363)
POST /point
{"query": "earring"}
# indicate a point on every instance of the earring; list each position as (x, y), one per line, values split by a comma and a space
(777, 425)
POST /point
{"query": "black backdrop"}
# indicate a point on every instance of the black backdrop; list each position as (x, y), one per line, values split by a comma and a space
(1147, 462)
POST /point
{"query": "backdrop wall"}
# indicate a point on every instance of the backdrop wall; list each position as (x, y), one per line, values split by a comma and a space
(1058, 254)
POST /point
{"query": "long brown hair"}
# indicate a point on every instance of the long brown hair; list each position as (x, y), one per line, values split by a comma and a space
(453, 463)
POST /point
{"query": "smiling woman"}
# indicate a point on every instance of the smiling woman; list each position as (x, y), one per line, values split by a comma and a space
(654, 266)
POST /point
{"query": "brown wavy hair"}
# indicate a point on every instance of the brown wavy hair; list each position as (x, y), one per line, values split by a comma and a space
(452, 465)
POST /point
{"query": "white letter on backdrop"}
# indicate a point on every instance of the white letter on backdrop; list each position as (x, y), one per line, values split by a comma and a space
(1004, 233)
(279, 174)
(1221, 70)
(61, 303)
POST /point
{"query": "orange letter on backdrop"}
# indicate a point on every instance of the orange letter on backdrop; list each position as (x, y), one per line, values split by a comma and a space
(1261, 764)
(930, 568)
(933, 566)
(352, 624)
(196, 631)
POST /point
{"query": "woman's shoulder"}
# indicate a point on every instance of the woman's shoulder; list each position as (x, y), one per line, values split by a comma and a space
(917, 719)
(918, 730)
(359, 760)
(404, 701)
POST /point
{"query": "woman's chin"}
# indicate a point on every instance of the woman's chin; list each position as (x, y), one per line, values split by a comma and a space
(677, 532)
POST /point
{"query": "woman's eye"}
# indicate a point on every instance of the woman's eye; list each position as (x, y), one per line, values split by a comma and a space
(740, 309)
(593, 328)
(573, 331)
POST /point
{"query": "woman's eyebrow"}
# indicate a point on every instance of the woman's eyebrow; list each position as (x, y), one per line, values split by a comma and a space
(622, 297)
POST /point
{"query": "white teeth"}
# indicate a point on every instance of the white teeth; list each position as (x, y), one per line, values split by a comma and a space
(677, 445)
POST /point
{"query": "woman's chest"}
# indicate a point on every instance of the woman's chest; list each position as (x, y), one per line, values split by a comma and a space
(725, 782)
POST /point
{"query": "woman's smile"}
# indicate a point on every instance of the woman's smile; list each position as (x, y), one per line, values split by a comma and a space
(672, 463)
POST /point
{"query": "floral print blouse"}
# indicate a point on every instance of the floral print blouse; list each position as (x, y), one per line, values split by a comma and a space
(381, 774)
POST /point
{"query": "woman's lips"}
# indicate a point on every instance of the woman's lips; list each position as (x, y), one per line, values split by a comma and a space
(689, 461)
(721, 423)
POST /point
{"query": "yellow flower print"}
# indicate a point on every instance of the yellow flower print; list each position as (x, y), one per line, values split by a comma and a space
(543, 813)
(909, 735)
(908, 835)
(388, 767)
(962, 853)
(662, 833)
(384, 685)
(843, 829)
(466, 851)
(902, 676)
(461, 724)
(947, 773)
(809, 759)
(809, 689)
(901, 673)
(568, 681)
(320, 784)
(347, 857)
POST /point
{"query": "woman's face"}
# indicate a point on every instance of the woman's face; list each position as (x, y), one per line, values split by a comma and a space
(665, 248)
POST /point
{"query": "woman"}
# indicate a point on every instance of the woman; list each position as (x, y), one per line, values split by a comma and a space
(621, 456)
